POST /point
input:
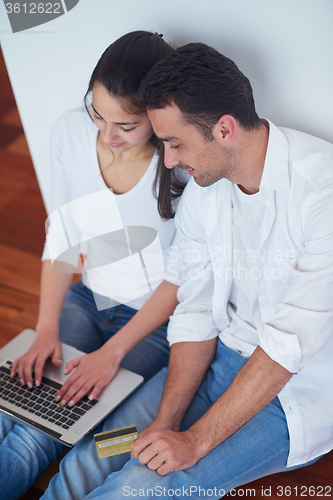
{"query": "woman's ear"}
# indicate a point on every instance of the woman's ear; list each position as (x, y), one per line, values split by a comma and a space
(225, 129)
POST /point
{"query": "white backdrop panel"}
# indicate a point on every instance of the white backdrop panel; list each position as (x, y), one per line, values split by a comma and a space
(283, 46)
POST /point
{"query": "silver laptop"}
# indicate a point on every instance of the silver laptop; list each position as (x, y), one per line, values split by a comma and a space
(37, 407)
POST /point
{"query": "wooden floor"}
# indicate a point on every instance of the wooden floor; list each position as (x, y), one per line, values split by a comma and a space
(22, 217)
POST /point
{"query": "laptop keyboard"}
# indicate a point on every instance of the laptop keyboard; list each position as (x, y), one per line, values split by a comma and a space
(40, 400)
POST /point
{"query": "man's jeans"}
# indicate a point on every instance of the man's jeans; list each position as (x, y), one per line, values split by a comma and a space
(24, 452)
(259, 448)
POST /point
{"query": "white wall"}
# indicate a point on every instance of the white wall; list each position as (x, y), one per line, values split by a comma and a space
(283, 46)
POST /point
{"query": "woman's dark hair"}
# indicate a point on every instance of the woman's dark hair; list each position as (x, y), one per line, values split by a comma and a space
(120, 70)
(204, 85)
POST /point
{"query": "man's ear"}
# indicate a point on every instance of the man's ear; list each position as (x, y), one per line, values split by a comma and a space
(225, 129)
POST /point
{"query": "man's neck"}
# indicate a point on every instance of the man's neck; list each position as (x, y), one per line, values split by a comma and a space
(253, 147)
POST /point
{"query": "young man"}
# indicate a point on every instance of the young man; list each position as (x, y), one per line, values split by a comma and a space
(248, 388)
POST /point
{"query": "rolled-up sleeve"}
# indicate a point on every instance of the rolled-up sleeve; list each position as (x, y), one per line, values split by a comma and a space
(189, 266)
(304, 317)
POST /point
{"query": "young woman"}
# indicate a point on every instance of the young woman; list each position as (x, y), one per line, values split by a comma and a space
(112, 193)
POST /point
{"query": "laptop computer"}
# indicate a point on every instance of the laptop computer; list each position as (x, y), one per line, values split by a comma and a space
(37, 407)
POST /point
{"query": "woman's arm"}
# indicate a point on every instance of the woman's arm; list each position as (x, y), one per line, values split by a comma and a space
(54, 286)
(95, 370)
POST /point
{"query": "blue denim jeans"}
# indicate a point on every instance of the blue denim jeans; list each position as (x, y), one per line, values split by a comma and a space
(259, 448)
(87, 329)
(25, 452)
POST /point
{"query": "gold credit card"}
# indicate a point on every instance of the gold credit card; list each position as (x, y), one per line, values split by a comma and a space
(115, 442)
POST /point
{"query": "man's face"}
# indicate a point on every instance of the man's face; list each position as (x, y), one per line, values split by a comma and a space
(186, 147)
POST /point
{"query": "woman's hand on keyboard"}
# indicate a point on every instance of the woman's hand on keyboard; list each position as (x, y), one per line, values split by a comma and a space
(92, 373)
(34, 359)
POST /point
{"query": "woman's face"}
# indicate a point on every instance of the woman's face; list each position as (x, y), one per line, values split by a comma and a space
(120, 130)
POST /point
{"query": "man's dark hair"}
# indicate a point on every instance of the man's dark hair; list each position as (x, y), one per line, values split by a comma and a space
(204, 84)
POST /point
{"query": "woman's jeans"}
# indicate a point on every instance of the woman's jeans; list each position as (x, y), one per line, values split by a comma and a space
(25, 452)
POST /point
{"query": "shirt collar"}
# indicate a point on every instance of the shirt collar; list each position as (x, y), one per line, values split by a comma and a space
(275, 175)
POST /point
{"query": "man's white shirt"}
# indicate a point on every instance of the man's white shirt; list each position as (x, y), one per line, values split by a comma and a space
(267, 281)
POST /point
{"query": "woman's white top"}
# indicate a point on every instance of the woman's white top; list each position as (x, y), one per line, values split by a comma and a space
(123, 236)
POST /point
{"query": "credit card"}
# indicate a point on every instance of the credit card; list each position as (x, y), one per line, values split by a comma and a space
(116, 441)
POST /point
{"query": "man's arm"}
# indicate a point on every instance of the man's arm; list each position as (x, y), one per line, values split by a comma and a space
(259, 381)
(188, 365)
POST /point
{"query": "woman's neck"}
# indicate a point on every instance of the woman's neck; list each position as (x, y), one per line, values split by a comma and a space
(121, 171)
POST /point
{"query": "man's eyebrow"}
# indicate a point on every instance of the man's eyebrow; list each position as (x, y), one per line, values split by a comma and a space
(168, 139)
